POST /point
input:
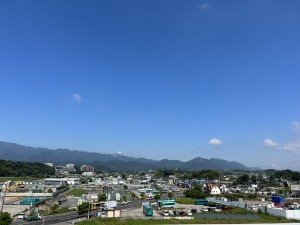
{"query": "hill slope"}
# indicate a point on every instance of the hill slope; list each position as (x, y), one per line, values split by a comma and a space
(23, 169)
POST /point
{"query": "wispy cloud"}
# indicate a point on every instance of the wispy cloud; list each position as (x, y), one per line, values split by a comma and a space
(77, 97)
(292, 146)
(270, 143)
(296, 125)
(215, 141)
(205, 6)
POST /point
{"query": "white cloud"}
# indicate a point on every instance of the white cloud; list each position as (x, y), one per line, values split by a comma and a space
(215, 141)
(270, 143)
(77, 97)
(204, 7)
(292, 146)
(296, 125)
(273, 165)
(119, 153)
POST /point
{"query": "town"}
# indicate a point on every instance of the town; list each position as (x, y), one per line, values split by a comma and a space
(72, 195)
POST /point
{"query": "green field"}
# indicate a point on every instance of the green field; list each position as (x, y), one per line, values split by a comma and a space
(115, 221)
(234, 216)
(3, 179)
(78, 192)
(185, 200)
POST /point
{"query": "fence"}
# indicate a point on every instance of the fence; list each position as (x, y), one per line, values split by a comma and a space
(288, 214)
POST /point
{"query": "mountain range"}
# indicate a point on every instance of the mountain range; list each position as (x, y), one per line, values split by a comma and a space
(112, 162)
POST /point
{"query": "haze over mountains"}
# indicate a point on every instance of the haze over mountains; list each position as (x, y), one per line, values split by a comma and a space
(16, 152)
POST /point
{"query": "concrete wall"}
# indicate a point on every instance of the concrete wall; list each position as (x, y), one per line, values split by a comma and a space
(27, 194)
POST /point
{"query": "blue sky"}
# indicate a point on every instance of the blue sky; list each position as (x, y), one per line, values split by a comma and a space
(155, 79)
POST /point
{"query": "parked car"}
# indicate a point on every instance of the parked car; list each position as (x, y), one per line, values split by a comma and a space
(101, 214)
(176, 213)
(21, 216)
(33, 217)
(165, 212)
(194, 210)
(204, 209)
(171, 213)
(182, 213)
(189, 213)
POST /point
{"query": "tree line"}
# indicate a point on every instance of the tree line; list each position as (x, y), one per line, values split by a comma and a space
(23, 169)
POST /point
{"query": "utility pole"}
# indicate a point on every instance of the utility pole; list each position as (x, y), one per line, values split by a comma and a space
(3, 197)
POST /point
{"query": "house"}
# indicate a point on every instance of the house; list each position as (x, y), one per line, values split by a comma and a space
(295, 189)
(215, 190)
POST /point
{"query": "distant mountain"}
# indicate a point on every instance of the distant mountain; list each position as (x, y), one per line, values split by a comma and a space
(114, 162)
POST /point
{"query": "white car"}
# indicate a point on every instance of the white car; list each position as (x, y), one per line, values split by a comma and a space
(171, 213)
(21, 216)
(101, 214)
(166, 213)
(189, 213)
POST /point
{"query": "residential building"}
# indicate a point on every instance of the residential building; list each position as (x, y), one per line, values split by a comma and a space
(87, 168)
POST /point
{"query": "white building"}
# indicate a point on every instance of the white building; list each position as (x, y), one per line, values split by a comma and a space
(215, 190)
(55, 181)
(295, 189)
(70, 166)
(49, 164)
(73, 180)
(88, 174)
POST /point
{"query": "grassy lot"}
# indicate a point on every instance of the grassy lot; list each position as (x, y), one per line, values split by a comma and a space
(262, 218)
(115, 221)
(58, 211)
(78, 192)
(185, 200)
(3, 179)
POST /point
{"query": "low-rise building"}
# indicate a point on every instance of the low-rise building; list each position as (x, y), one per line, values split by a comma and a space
(215, 190)
(55, 181)
(87, 168)
(73, 180)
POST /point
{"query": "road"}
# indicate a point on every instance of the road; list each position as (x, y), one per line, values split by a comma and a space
(51, 219)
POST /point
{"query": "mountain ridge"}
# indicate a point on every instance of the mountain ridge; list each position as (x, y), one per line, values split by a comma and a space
(16, 152)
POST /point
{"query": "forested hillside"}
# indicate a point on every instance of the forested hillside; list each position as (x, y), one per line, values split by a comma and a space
(21, 169)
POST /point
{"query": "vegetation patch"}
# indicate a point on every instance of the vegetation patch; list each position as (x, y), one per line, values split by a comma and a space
(24, 169)
(185, 200)
(115, 221)
(78, 192)
(58, 211)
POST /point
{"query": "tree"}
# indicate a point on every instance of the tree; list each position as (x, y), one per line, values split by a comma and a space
(124, 198)
(102, 197)
(142, 195)
(196, 193)
(54, 207)
(83, 208)
(170, 195)
(157, 197)
(253, 179)
(260, 178)
(243, 179)
(133, 196)
(5, 218)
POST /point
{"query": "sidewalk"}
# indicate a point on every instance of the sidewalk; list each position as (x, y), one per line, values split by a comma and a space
(70, 221)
